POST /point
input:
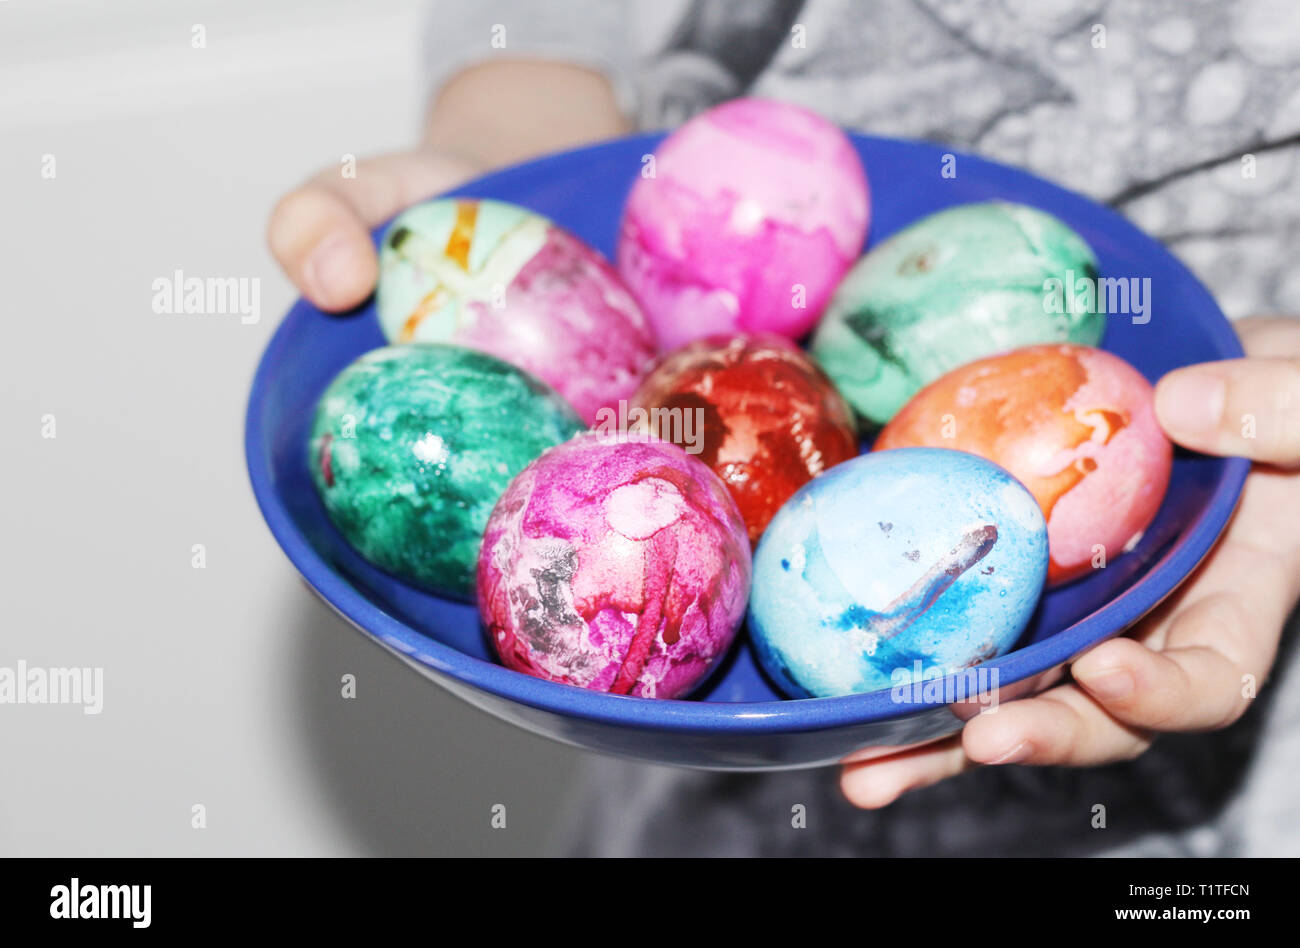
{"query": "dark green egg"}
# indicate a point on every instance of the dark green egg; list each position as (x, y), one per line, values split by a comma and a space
(412, 446)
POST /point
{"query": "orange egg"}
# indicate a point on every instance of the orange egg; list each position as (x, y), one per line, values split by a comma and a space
(1074, 424)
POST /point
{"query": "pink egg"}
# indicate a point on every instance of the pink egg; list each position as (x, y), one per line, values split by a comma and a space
(746, 220)
(615, 563)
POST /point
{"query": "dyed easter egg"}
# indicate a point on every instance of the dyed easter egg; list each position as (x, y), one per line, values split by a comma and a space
(618, 564)
(501, 279)
(756, 410)
(1075, 425)
(747, 218)
(955, 286)
(412, 446)
(894, 567)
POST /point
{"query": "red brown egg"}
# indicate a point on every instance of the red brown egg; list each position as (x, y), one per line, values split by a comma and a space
(756, 410)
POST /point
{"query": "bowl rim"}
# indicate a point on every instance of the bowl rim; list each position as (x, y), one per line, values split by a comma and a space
(762, 717)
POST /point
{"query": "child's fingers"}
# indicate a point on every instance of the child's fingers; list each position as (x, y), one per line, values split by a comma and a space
(1200, 670)
(320, 232)
(1257, 561)
(1124, 691)
(1062, 726)
(324, 247)
(1197, 667)
(1212, 650)
(1191, 688)
(1192, 666)
(1248, 407)
(1269, 337)
(876, 783)
(1216, 652)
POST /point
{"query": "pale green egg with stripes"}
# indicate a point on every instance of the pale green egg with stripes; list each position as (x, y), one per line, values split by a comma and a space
(958, 285)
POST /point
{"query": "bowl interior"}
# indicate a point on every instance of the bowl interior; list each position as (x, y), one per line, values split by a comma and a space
(584, 192)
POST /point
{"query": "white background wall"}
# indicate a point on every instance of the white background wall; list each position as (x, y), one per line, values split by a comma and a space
(221, 684)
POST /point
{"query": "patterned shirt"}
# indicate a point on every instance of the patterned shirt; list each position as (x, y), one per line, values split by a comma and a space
(1182, 114)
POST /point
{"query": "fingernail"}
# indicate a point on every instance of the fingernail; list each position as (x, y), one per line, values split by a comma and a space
(1191, 402)
(865, 792)
(329, 268)
(1015, 755)
(1112, 684)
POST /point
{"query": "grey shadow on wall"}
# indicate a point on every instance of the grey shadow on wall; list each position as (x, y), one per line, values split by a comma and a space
(409, 769)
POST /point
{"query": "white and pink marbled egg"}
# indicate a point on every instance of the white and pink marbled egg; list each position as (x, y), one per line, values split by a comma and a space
(496, 277)
(746, 220)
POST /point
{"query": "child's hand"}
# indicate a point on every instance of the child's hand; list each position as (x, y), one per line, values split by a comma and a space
(1195, 662)
(488, 115)
(320, 233)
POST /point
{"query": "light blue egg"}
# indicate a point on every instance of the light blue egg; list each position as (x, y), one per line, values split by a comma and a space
(893, 567)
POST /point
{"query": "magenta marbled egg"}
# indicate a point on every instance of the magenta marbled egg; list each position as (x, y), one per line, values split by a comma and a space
(616, 563)
(745, 221)
(496, 277)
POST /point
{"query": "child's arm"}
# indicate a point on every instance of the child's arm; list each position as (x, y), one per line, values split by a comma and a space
(1195, 663)
(487, 115)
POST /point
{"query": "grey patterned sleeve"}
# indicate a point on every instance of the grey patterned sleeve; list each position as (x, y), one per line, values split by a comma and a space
(591, 33)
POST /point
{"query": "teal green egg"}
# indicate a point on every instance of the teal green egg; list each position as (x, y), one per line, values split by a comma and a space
(956, 286)
(412, 446)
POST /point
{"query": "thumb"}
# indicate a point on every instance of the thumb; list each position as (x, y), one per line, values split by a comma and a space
(1247, 407)
(320, 232)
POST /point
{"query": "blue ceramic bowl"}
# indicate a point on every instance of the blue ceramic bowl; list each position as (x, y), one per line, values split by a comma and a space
(738, 721)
